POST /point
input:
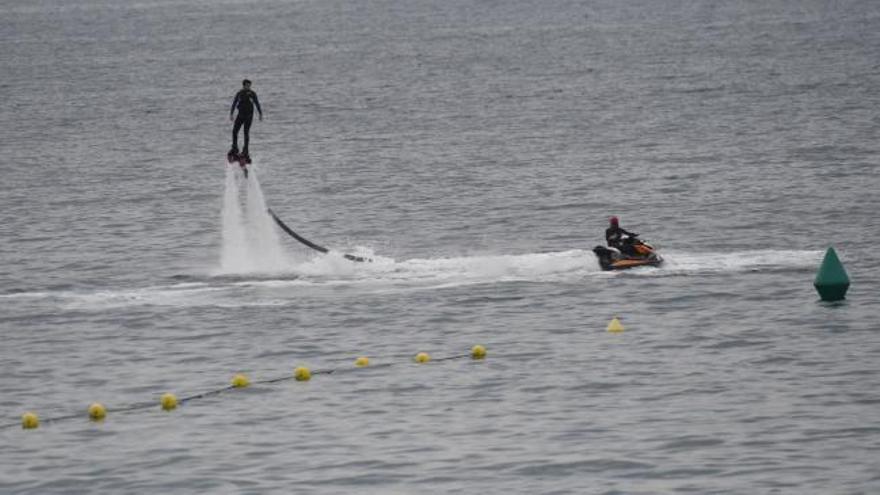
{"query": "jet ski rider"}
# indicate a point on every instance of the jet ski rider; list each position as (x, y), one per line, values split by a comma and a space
(614, 236)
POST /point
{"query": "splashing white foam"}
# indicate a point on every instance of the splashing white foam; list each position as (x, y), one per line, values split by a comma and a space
(250, 242)
(234, 248)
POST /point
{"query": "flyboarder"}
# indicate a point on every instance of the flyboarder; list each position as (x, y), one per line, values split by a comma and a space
(245, 100)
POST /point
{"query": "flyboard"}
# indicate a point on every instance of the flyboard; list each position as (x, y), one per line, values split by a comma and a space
(303, 240)
(242, 159)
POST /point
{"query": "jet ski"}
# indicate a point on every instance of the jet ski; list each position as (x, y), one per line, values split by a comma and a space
(637, 253)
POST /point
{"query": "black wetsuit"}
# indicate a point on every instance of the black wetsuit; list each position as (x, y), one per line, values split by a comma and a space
(245, 100)
(614, 237)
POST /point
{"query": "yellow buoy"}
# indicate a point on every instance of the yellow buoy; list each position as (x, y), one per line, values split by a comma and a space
(302, 374)
(615, 326)
(478, 352)
(362, 361)
(240, 381)
(168, 401)
(29, 421)
(422, 357)
(97, 411)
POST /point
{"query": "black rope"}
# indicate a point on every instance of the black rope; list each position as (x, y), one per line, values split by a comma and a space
(309, 243)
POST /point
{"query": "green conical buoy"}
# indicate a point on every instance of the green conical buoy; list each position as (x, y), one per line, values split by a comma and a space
(832, 280)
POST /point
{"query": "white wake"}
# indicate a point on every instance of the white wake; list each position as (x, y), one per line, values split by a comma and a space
(386, 274)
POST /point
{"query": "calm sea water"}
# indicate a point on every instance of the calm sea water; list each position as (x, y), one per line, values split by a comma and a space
(473, 150)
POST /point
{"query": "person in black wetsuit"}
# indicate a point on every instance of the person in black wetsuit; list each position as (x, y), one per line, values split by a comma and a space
(614, 236)
(245, 100)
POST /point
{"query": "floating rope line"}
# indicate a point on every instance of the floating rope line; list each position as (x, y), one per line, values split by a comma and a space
(169, 402)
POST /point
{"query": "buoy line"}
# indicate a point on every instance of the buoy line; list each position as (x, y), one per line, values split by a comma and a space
(168, 401)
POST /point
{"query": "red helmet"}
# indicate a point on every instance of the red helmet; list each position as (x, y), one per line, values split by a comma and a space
(613, 221)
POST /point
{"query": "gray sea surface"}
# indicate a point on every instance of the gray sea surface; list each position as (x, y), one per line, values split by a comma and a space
(474, 151)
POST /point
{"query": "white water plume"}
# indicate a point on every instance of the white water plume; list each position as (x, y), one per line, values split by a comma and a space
(234, 248)
(265, 243)
(250, 242)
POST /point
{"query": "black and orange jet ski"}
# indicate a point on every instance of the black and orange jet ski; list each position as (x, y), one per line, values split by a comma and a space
(638, 253)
